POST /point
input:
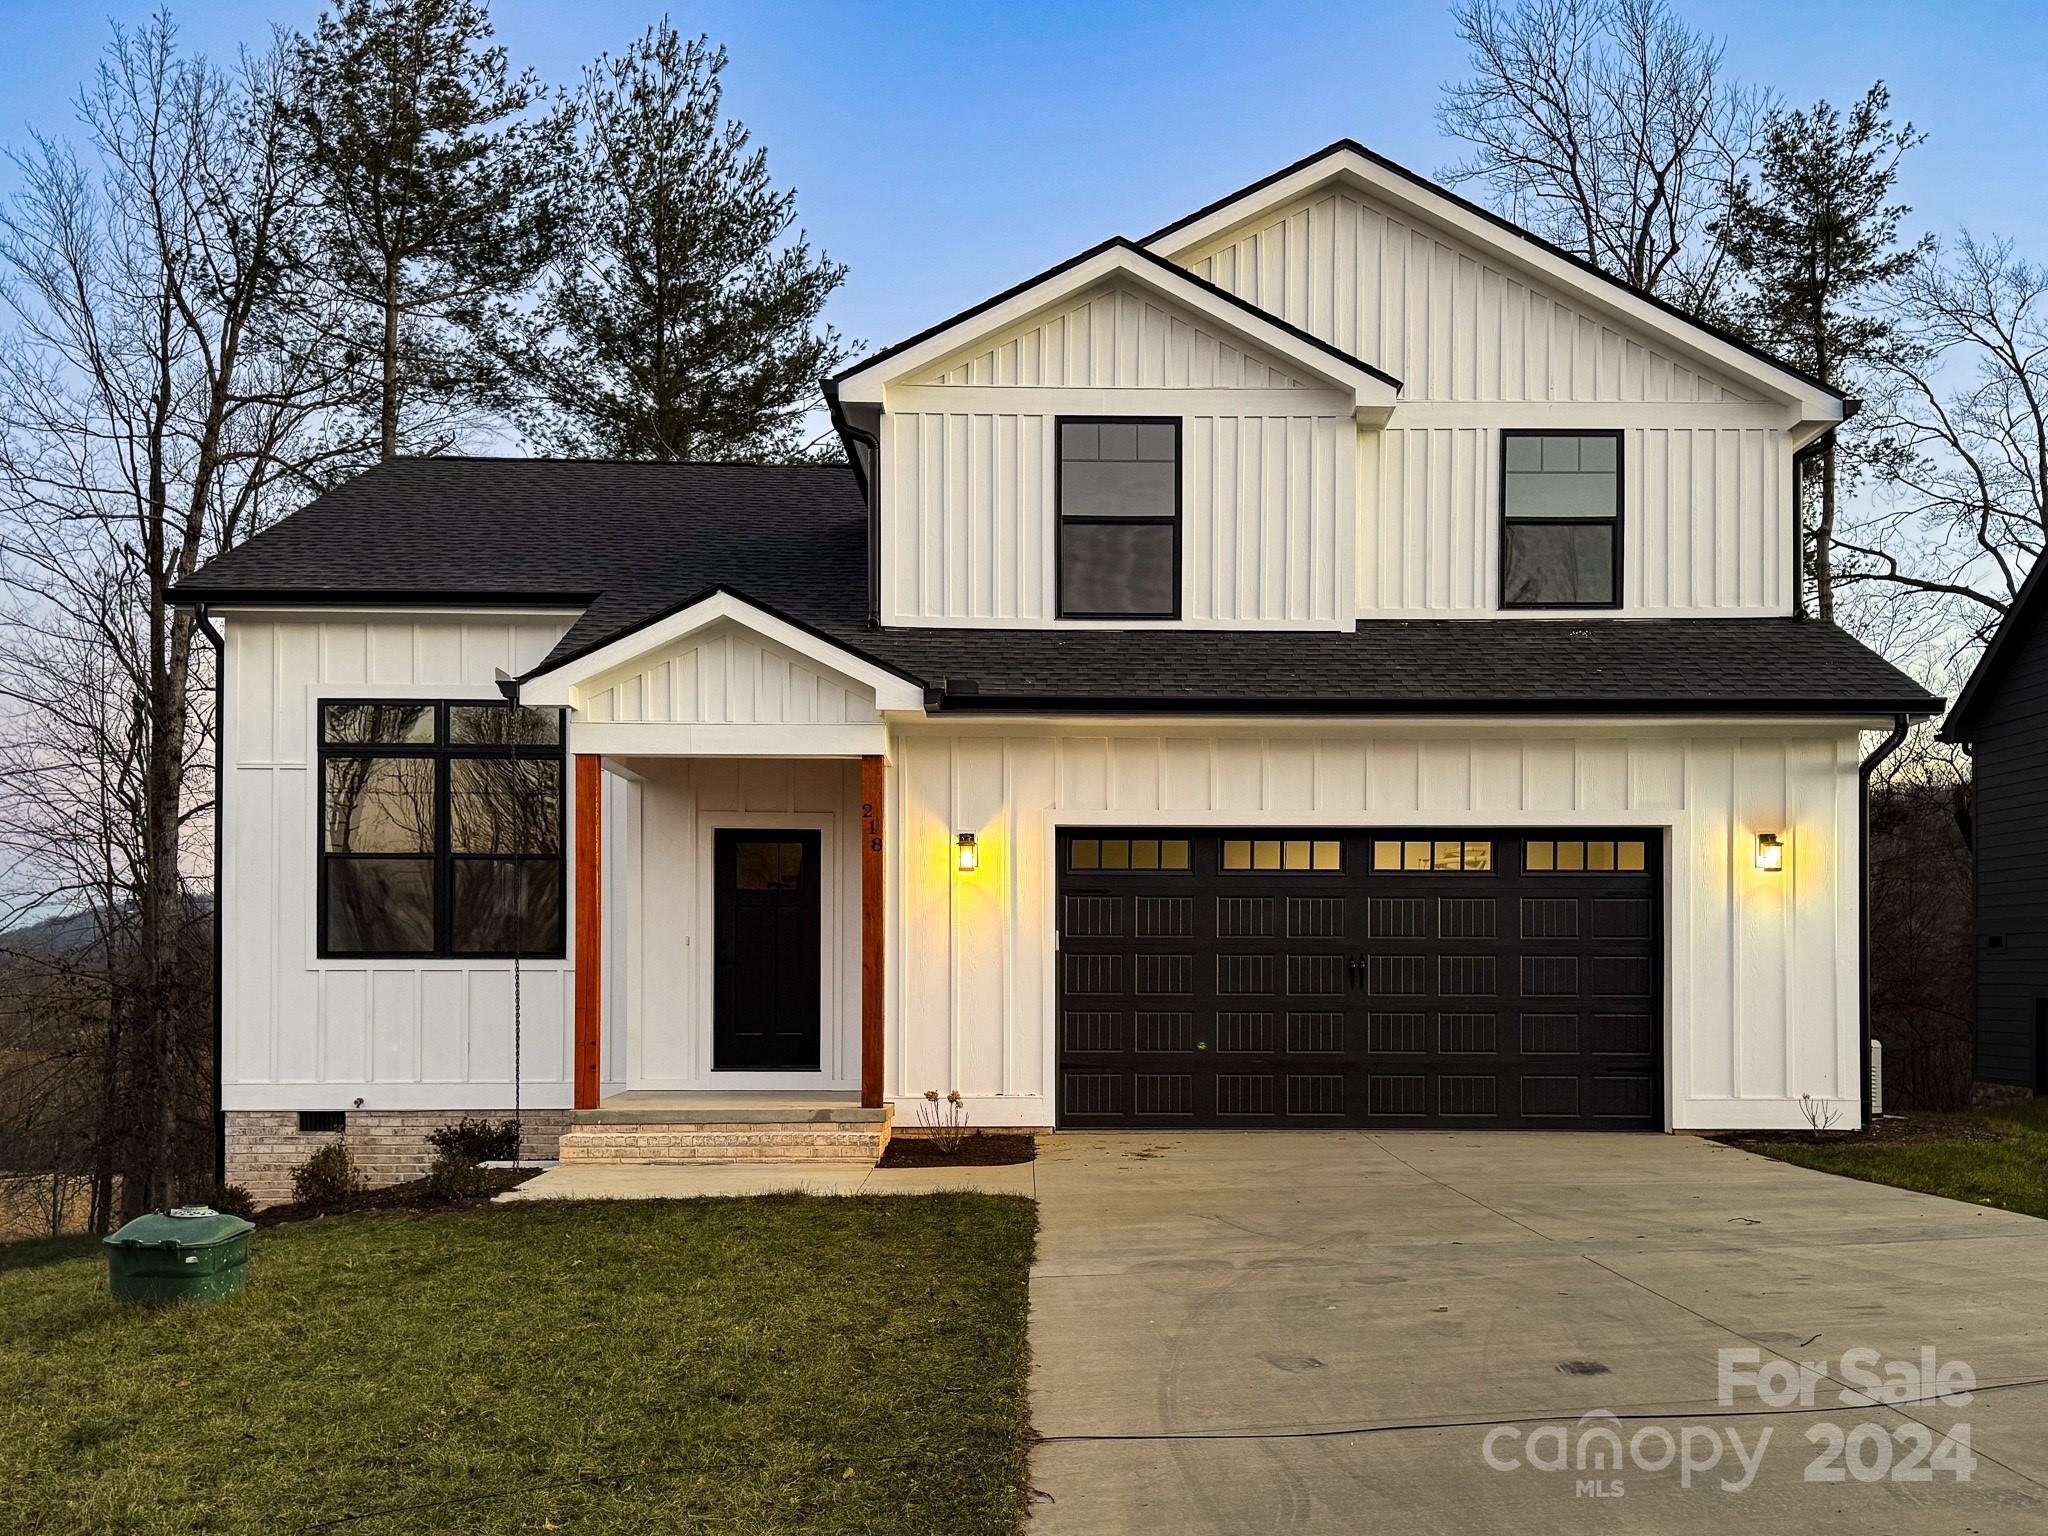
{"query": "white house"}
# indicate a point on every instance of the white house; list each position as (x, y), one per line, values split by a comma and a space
(1333, 662)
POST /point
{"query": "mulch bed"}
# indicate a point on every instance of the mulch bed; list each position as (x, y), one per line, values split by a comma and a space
(984, 1149)
(410, 1196)
(1889, 1130)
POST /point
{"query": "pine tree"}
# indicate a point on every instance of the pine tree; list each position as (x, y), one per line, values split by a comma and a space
(1816, 237)
(444, 185)
(688, 327)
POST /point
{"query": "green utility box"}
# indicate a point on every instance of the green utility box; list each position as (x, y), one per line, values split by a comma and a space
(193, 1253)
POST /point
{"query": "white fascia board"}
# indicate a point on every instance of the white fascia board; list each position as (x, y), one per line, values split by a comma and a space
(561, 686)
(1370, 394)
(1812, 405)
(647, 738)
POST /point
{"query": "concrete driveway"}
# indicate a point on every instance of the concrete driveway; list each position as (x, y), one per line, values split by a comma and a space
(1236, 1332)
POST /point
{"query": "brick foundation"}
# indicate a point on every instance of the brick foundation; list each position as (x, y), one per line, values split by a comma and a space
(389, 1146)
(659, 1143)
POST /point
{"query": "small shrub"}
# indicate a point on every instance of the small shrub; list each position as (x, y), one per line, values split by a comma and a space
(329, 1174)
(454, 1177)
(478, 1141)
(945, 1120)
(232, 1200)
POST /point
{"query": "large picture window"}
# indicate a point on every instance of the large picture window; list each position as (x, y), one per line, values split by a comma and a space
(1560, 543)
(1119, 518)
(440, 830)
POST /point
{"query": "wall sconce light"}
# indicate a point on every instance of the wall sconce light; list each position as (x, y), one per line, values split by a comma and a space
(970, 855)
(1770, 853)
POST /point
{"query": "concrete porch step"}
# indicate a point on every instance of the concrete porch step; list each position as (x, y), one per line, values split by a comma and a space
(677, 1132)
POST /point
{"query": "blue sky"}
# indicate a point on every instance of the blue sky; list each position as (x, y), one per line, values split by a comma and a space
(944, 151)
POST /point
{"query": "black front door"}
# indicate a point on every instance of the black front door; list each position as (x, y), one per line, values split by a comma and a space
(765, 1013)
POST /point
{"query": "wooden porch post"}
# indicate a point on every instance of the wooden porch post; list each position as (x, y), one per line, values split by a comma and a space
(872, 790)
(589, 924)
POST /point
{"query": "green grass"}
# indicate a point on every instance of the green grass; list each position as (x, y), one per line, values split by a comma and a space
(765, 1365)
(2010, 1172)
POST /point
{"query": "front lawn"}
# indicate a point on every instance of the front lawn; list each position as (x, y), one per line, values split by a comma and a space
(761, 1365)
(1991, 1157)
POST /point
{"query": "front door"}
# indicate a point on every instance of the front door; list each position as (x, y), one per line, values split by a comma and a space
(765, 1012)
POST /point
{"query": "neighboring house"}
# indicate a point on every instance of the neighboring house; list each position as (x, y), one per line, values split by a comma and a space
(2002, 717)
(1331, 662)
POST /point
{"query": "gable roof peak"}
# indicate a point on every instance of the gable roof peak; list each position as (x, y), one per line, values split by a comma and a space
(1347, 159)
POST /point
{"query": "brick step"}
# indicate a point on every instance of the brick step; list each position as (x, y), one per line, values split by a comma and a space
(799, 1141)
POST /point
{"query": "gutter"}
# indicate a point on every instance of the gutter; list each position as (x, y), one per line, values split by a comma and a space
(962, 696)
(220, 811)
(1870, 765)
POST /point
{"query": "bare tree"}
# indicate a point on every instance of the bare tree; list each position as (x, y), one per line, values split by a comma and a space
(1960, 435)
(1610, 128)
(169, 387)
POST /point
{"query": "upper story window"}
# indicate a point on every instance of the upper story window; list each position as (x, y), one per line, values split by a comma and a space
(1560, 543)
(440, 830)
(1119, 518)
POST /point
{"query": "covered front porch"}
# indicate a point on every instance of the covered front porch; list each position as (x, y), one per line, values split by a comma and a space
(728, 892)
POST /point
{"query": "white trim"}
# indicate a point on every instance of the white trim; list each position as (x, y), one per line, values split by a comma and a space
(1112, 399)
(1423, 202)
(1371, 395)
(356, 613)
(565, 683)
(372, 1097)
(985, 1111)
(1336, 725)
(641, 738)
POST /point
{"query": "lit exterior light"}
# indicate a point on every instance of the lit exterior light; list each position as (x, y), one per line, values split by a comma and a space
(1770, 853)
(970, 856)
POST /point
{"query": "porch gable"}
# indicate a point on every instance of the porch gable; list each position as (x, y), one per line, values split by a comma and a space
(723, 677)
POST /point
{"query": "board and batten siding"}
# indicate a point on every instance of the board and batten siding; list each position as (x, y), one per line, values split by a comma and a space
(727, 677)
(1451, 322)
(1113, 338)
(2009, 764)
(305, 1033)
(1760, 984)
(1704, 518)
(1268, 489)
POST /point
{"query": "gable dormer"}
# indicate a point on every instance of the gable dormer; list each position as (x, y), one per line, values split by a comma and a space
(1116, 443)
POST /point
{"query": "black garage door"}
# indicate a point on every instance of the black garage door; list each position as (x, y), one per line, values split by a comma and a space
(1316, 978)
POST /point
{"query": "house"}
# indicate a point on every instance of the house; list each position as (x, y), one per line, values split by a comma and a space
(1335, 661)
(2001, 716)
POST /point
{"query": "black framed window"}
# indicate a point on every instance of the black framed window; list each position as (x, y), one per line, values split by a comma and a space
(441, 830)
(1118, 491)
(1561, 523)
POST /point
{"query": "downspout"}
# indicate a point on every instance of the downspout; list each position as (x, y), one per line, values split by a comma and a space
(1878, 754)
(220, 722)
(1800, 460)
(869, 475)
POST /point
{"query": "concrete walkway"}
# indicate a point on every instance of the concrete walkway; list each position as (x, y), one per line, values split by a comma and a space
(1314, 1333)
(598, 1181)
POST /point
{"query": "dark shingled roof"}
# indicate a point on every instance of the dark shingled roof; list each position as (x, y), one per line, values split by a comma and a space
(629, 542)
